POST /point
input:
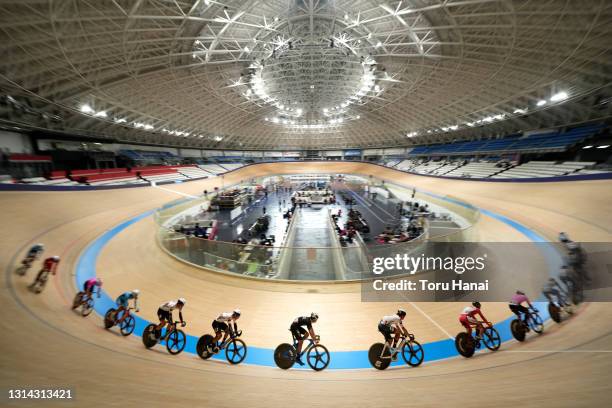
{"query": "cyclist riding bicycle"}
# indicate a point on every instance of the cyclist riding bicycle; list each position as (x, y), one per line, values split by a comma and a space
(223, 325)
(123, 303)
(298, 331)
(90, 286)
(393, 325)
(164, 313)
(517, 308)
(468, 319)
(49, 265)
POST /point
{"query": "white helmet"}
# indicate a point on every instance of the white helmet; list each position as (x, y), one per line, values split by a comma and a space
(236, 312)
(56, 258)
(39, 245)
(136, 292)
(182, 300)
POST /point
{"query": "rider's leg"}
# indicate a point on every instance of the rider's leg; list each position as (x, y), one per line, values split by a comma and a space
(396, 338)
(120, 309)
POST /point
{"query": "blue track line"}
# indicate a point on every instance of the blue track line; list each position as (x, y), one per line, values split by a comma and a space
(86, 269)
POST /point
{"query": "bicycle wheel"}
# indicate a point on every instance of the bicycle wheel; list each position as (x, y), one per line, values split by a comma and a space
(109, 320)
(375, 353)
(518, 330)
(77, 300)
(284, 356)
(87, 307)
(128, 325)
(413, 353)
(176, 342)
(536, 323)
(555, 312)
(236, 351)
(202, 346)
(491, 339)
(465, 344)
(318, 357)
(148, 336)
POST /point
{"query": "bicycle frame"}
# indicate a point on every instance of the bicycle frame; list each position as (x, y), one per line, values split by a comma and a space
(397, 349)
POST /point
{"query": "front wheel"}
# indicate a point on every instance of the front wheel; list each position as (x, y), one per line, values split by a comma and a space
(491, 339)
(379, 360)
(149, 339)
(413, 353)
(77, 300)
(518, 330)
(176, 342)
(127, 326)
(318, 357)
(465, 344)
(236, 351)
(536, 323)
(202, 347)
(284, 356)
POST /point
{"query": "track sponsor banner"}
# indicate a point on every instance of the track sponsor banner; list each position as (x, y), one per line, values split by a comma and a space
(453, 271)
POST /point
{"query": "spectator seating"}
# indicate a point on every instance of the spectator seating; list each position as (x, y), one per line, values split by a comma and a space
(231, 166)
(214, 169)
(535, 169)
(476, 170)
(193, 172)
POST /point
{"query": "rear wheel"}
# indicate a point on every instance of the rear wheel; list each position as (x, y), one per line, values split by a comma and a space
(77, 300)
(148, 336)
(284, 356)
(318, 357)
(109, 318)
(465, 344)
(176, 342)
(518, 330)
(491, 339)
(127, 325)
(555, 312)
(413, 353)
(202, 346)
(236, 351)
(375, 353)
(87, 307)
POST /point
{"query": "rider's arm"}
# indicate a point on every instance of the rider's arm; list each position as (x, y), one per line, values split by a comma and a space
(484, 319)
(235, 327)
(181, 316)
(403, 329)
(311, 331)
(99, 291)
(136, 304)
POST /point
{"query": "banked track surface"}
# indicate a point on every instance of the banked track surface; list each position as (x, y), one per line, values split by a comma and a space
(45, 344)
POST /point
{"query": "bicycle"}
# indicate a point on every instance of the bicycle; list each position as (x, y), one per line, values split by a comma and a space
(26, 264)
(86, 301)
(467, 344)
(317, 355)
(126, 321)
(381, 355)
(174, 338)
(235, 348)
(39, 284)
(534, 322)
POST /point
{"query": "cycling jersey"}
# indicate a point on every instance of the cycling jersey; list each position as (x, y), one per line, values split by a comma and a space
(302, 321)
(224, 317)
(471, 311)
(50, 265)
(391, 320)
(123, 299)
(90, 284)
(169, 306)
(34, 251)
(518, 299)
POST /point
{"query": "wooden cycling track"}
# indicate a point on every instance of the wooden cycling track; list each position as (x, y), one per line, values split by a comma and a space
(44, 344)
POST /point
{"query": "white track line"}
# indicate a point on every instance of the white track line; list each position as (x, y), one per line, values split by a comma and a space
(431, 320)
(175, 192)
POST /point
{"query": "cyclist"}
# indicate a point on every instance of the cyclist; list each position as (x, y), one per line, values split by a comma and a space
(90, 285)
(223, 325)
(300, 334)
(164, 313)
(552, 288)
(123, 303)
(468, 319)
(33, 253)
(517, 308)
(393, 324)
(49, 265)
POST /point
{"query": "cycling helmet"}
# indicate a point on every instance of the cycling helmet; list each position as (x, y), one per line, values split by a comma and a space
(563, 237)
(314, 317)
(39, 246)
(401, 313)
(56, 258)
(136, 292)
(476, 304)
(236, 312)
(99, 281)
(182, 300)
(520, 292)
